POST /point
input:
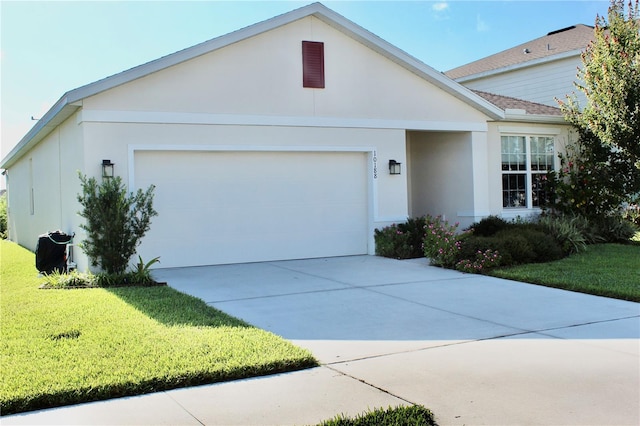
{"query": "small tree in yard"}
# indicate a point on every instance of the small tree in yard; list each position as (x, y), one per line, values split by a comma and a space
(115, 221)
(611, 82)
(601, 171)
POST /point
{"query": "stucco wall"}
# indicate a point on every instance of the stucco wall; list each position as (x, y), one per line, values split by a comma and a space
(50, 171)
(441, 174)
(250, 94)
(117, 140)
(263, 75)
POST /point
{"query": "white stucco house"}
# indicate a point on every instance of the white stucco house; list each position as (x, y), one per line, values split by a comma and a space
(274, 142)
(538, 70)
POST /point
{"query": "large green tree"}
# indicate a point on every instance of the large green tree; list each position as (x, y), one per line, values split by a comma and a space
(601, 170)
(610, 79)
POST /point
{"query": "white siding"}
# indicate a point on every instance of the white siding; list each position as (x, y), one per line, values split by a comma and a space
(541, 83)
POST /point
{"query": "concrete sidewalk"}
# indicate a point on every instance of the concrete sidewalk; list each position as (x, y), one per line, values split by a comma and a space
(473, 349)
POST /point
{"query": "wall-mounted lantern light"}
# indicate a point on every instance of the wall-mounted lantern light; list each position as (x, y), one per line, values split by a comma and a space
(394, 167)
(107, 169)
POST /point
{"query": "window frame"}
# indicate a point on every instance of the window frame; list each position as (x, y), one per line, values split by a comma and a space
(528, 171)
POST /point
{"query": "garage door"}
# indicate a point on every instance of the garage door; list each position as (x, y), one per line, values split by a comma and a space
(236, 207)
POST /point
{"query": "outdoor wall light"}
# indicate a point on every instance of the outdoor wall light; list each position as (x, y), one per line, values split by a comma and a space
(107, 169)
(394, 167)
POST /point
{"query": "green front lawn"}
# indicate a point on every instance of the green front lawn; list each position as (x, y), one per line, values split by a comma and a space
(611, 270)
(415, 415)
(61, 347)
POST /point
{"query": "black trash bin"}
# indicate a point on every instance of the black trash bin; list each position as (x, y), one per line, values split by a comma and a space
(51, 252)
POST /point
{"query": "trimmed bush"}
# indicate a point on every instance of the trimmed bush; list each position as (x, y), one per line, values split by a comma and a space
(401, 241)
(392, 242)
(489, 226)
(516, 244)
(484, 260)
(472, 244)
(544, 246)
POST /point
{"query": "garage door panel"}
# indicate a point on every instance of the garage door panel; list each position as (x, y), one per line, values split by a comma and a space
(230, 207)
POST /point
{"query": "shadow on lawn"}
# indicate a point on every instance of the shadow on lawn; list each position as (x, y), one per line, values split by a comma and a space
(173, 308)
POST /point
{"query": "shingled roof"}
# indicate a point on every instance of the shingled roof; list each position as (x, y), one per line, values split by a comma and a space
(556, 43)
(507, 102)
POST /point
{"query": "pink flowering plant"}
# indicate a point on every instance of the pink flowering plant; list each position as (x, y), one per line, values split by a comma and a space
(441, 241)
(483, 261)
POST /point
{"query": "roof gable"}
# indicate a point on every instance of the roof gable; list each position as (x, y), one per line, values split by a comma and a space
(69, 103)
(570, 41)
(317, 10)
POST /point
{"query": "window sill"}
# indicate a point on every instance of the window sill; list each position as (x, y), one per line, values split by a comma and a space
(514, 212)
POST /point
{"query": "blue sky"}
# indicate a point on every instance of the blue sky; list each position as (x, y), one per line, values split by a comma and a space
(50, 47)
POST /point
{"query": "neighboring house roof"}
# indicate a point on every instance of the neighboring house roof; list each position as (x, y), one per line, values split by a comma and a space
(69, 102)
(508, 103)
(566, 42)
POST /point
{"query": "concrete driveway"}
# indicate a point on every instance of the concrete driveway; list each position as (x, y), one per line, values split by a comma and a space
(473, 349)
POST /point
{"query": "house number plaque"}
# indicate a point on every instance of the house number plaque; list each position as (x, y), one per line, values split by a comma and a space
(375, 165)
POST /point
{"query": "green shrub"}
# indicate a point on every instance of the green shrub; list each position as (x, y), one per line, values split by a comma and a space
(441, 243)
(414, 227)
(141, 276)
(402, 240)
(516, 245)
(115, 221)
(483, 261)
(73, 279)
(3, 216)
(142, 273)
(489, 226)
(570, 231)
(615, 229)
(472, 244)
(392, 242)
(545, 247)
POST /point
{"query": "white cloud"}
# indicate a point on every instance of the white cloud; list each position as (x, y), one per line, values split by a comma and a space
(439, 7)
(481, 25)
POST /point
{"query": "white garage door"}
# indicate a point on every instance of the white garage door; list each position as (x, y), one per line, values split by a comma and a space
(235, 207)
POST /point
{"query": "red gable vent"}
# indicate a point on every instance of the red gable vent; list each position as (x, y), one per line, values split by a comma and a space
(313, 64)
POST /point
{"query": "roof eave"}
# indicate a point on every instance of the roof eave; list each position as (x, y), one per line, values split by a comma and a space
(58, 113)
(535, 118)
